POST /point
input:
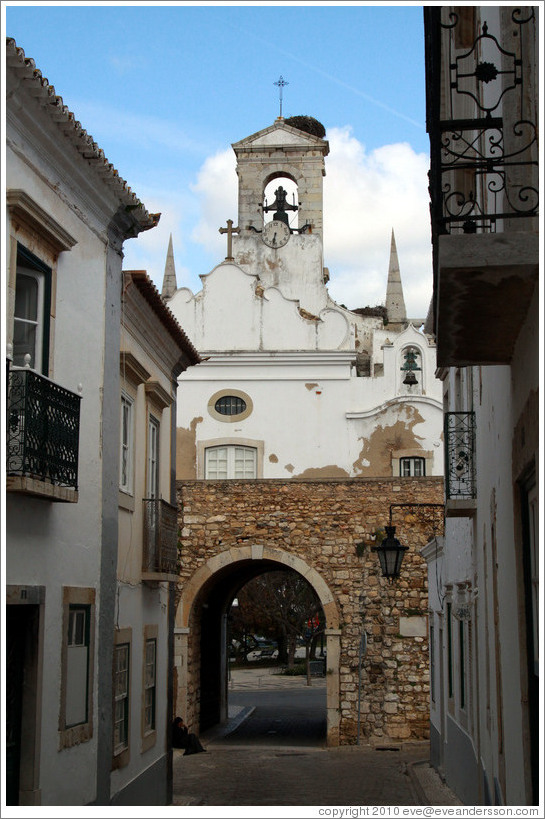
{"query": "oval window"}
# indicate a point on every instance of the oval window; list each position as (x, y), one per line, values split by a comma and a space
(230, 405)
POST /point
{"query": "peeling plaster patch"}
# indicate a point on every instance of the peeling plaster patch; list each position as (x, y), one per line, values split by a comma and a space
(375, 458)
(306, 315)
(289, 467)
(186, 448)
(311, 386)
(273, 459)
(321, 472)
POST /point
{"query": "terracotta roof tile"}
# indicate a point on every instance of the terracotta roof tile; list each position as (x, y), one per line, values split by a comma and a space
(153, 297)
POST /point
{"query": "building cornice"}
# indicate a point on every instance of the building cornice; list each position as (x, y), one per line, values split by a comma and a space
(24, 208)
(400, 399)
(282, 358)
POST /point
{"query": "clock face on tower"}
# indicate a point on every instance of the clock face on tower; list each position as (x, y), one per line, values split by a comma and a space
(275, 233)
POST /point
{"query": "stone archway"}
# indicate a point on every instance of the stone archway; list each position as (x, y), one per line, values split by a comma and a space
(201, 612)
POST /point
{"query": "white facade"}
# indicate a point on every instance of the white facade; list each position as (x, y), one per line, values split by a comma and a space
(153, 351)
(483, 578)
(322, 386)
(68, 216)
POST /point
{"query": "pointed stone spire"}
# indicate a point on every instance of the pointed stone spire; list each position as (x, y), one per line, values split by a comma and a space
(395, 303)
(169, 279)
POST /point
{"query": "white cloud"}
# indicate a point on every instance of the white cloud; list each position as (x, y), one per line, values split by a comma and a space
(216, 190)
(365, 196)
(124, 65)
(149, 251)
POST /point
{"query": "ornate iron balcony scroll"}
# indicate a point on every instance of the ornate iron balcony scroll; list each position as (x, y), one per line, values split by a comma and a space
(460, 473)
(483, 167)
(160, 537)
(42, 429)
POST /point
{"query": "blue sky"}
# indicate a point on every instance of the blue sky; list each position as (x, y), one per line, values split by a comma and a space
(165, 89)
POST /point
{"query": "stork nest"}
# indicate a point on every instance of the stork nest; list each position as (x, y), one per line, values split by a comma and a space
(307, 124)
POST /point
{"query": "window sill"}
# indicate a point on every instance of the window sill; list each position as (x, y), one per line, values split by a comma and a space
(75, 735)
(148, 741)
(41, 489)
(121, 759)
(125, 501)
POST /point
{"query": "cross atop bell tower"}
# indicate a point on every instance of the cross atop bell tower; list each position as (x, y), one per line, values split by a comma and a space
(280, 83)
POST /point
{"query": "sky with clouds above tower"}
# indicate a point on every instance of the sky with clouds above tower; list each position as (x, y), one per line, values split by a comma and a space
(165, 89)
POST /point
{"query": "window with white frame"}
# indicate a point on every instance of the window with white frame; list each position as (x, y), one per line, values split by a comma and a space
(412, 467)
(126, 451)
(77, 665)
(152, 487)
(121, 697)
(31, 311)
(150, 673)
(223, 462)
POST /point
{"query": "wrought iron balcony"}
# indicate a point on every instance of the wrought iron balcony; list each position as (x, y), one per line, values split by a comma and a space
(482, 117)
(42, 445)
(484, 167)
(460, 472)
(160, 537)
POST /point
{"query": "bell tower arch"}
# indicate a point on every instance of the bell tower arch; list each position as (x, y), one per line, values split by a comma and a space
(280, 240)
(275, 152)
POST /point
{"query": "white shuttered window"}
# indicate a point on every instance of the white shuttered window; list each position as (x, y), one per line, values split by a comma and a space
(223, 462)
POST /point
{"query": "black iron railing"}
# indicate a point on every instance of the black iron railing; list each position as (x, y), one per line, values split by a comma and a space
(160, 537)
(42, 429)
(460, 472)
(483, 167)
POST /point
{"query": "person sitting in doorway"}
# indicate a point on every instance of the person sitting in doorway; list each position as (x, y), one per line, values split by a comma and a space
(182, 738)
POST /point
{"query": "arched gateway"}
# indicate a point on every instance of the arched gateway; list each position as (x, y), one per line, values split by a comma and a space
(234, 530)
(202, 613)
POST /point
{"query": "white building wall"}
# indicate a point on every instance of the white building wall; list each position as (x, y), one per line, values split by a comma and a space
(62, 547)
(44, 536)
(312, 413)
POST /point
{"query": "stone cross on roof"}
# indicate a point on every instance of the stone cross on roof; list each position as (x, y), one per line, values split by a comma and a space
(229, 230)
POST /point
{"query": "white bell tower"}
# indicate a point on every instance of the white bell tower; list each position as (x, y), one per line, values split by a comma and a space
(286, 250)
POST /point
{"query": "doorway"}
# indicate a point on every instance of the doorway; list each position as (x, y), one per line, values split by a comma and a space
(22, 653)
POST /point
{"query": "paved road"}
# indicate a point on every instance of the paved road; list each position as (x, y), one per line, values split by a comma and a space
(269, 775)
(272, 752)
(295, 717)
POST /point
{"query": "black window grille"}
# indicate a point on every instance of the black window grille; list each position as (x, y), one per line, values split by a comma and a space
(230, 405)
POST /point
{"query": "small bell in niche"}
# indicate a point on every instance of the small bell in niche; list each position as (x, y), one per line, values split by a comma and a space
(410, 379)
(409, 368)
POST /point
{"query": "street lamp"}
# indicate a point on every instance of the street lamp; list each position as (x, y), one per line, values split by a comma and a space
(390, 554)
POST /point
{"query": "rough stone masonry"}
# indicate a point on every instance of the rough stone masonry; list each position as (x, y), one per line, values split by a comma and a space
(331, 526)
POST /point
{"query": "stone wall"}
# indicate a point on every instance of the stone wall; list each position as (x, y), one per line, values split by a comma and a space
(331, 525)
